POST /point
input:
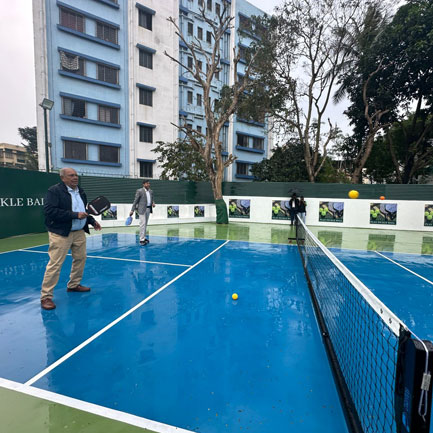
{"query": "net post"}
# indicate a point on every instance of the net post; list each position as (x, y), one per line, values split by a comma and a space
(413, 388)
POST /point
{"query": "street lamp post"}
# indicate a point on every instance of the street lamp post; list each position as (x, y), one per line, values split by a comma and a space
(46, 104)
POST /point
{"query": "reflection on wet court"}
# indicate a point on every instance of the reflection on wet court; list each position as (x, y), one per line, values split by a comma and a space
(189, 356)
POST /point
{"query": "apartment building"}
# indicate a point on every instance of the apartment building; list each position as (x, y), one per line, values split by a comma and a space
(116, 93)
(12, 156)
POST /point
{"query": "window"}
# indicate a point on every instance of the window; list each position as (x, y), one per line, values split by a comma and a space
(189, 97)
(107, 74)
(72, 63)
(226, 46)
(218, 9)
(189, 62)
(226, 72)
(199, 129)
(242, 140)
(146, 97)
(224, 138)
(242, 168)
(198, 100)
(75, 150)
(145, 19)
(146, 134)
(190, 29)
(217, 74)
(209, 37)
(200, 33)
(74, 107)
(8, 154)
(108, 114)
(200, 65)
(146, 169)
(209, 5)
(108, 154)
(146, 59)
(106, 32)
(244, 23)
(21, 160)
(200, 3)
(258, 143)
(243, 52)
(72, 20)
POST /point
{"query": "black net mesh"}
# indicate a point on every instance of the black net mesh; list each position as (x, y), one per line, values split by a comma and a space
(365, 346)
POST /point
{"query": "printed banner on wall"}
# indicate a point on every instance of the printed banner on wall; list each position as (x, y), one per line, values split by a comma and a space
(383, 213)
(198, 211)
(172, 211)
(239, 208)
(110, 214)
(280, 210)
(428, 215)
(331, 211)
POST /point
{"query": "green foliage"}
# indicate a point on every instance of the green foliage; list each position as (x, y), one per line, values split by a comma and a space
(28, 134)
(401, 50)
(379, 167)
(332, 173)
(285, 165)
(180, 161)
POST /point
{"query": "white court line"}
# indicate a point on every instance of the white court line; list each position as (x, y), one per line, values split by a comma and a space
(22, 249)
(114, 258)
(404, 267)
(114, 322)
(91, 408)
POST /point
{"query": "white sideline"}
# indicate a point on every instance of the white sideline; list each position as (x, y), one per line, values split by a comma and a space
(95, 409)
(113, 258)
(404, 267)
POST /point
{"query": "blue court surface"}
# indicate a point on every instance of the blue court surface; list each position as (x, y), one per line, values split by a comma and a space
(160, 337)
(403, 282)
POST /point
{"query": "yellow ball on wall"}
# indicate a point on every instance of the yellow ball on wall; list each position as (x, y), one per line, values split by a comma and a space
(235, 296)
(353, 194)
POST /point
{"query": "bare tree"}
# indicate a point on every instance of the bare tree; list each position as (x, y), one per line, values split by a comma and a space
(304, 53)
(218, 111)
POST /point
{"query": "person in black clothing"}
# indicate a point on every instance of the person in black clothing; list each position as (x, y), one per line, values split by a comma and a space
(302, 208)
(293, 208)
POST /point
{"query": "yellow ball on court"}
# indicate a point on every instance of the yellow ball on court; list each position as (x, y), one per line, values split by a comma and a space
(353, 194)
(235, 296)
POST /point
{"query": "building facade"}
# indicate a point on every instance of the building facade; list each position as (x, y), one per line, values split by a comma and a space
(116, 93)
(12, 156)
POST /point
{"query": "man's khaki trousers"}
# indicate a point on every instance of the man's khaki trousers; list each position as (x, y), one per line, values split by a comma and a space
(58, 249)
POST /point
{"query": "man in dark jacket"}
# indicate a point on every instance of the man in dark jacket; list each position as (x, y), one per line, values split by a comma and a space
(66, 220)
(293, 208)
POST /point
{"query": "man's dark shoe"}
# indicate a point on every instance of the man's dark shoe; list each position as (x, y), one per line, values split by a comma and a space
(142, 242)
(47, 304)
(146, 241)
(79, 288)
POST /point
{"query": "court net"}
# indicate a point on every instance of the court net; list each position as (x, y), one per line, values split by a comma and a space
(382, 370)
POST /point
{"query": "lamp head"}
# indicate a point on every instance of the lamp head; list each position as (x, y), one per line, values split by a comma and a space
(47, 104)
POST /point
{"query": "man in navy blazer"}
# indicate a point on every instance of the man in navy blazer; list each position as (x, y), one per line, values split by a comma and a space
(67, 222)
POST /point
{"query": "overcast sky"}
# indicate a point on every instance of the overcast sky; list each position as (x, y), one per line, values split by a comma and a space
(17, 76)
